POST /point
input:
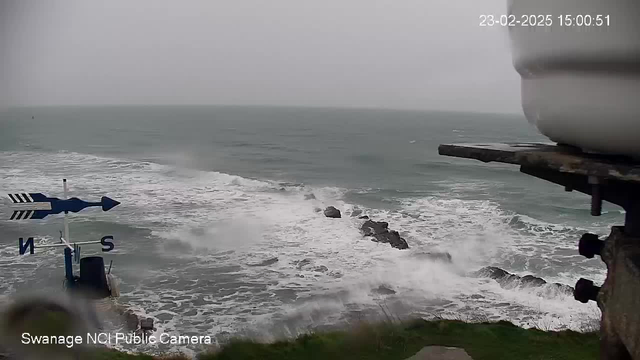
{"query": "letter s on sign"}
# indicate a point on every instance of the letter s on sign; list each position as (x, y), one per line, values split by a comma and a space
(106, 244)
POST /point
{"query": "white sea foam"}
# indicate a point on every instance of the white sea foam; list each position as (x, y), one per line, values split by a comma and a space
(325, 268)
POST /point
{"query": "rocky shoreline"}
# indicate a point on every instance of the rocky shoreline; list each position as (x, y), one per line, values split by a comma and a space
(508, 280)
(378, 231)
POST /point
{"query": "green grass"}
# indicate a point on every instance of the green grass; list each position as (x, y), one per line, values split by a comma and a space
(386, 341)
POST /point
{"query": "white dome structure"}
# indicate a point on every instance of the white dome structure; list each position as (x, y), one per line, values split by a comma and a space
(581, 74)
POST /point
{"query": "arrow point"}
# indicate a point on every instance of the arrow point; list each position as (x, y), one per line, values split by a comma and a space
(108, 204)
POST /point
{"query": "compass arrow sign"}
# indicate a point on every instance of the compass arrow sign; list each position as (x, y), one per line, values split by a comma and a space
(38, 206)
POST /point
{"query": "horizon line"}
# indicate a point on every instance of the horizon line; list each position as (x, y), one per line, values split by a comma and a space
(315, 107)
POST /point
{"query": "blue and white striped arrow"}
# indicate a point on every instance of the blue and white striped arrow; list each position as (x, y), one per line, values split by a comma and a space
(25, 207)
(38, 206)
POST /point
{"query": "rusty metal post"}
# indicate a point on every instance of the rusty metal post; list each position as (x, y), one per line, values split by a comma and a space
(603, 178)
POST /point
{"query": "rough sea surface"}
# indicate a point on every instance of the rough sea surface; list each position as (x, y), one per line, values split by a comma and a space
(210, 193)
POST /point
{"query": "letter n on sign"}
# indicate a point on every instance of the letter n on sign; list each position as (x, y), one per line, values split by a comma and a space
(23, 246)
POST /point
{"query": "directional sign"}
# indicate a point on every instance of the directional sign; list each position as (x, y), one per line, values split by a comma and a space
(106, 242)
(38, 206)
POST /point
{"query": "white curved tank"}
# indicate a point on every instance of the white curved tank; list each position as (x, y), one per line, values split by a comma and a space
(581, 84)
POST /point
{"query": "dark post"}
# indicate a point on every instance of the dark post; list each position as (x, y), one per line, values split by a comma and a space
(68, 266)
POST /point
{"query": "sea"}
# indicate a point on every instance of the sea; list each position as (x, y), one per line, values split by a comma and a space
(219, 231)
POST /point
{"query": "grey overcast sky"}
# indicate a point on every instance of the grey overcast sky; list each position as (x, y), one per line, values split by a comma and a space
(403, 54)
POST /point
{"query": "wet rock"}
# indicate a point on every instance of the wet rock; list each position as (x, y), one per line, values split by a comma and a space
(365, 217)
(383, 290)
(492, 272)
(562, 288)
(533, 280)
(332, 212)
(302, 263)
(305, 264)
(434, 256)
(317, 210)
(311, 196)
(266, 262)
(394, 239)
(509, 281)
(131, 320)
(371, 228)
(321, 268)
(379, 232)
(356, 212)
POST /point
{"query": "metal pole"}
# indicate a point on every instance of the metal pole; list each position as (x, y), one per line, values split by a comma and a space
(66, 222)
(68, 260)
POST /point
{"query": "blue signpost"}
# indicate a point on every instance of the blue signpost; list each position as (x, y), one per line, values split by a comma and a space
(27, 206)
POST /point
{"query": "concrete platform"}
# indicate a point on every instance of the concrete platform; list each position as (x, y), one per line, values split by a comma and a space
(441, 353)
(549, 156)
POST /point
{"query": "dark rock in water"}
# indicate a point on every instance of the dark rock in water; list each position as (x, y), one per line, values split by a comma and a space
(356, 212)
(562, 288)
(131, 320)
(492, 272)
(305, 264)
(302, 263)
(365, 217)
(435, 256)
(310, 196)
(394, 239)
(533, 280)
(509, 281)
(379, 231)
(332, 212)
(317, 209)
(266, 262)
(383, 290)
(283, 189)
(371, 228)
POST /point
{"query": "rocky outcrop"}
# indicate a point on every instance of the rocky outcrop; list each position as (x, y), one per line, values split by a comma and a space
(510, 281)
(307, 265)
(379, 232)
(372, 228)
(356, 212)
(311, 196)
(332, 212)
(383, 290)
(131, 320)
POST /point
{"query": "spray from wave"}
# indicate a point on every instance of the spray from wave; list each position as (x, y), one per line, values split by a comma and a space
(256, 254)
